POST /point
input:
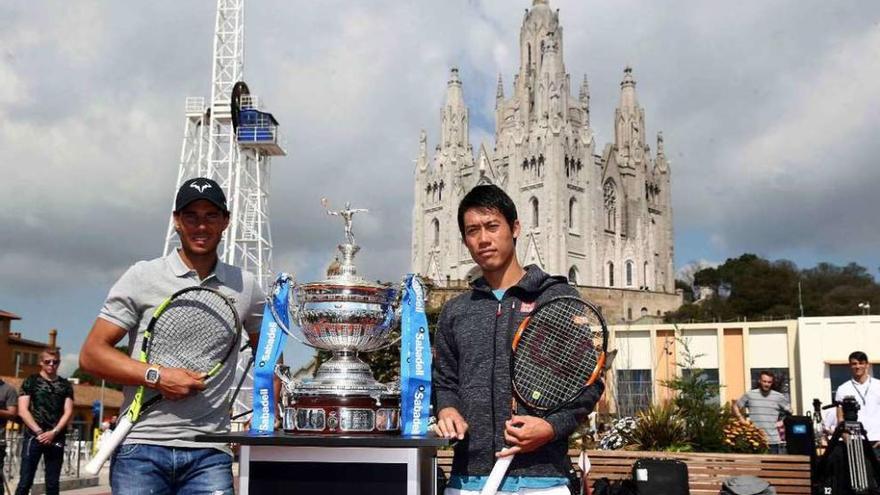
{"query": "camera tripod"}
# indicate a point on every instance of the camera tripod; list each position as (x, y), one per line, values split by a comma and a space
(849, 460)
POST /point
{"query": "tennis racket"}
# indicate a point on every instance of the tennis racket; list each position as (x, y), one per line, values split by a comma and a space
(196, 328)
(557, 352)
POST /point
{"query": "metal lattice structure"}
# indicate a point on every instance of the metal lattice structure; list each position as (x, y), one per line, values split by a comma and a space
(235, 154)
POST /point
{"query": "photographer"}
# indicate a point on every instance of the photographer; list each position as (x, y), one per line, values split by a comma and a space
(866, 391)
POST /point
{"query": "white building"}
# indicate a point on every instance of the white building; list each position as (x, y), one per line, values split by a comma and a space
(808, 356)
(825, 343)
(601, 217)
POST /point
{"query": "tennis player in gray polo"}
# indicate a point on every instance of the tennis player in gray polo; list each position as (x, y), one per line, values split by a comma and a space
(159, 455)
(765, 406)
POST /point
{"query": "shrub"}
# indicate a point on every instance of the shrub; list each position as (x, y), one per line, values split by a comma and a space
(659, 427)
(695, 401)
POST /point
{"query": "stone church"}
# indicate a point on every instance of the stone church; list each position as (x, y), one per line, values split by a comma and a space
(601, 216)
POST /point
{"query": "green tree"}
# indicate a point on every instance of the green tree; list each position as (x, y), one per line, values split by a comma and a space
(752, 287)
(694, 401)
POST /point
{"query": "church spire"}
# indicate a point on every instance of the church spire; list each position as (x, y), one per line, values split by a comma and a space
(584, 95)
(584, 98)
(628, 90)
(629, 128)
(422, 158)
(454, 128)
(661, 162)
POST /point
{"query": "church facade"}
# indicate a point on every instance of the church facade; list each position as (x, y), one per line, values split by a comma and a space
(600, 215)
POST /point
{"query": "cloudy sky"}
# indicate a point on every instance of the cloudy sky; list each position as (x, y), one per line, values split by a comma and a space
(771, 113)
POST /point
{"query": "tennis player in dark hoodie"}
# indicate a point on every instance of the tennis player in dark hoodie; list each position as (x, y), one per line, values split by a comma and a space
(472, 362)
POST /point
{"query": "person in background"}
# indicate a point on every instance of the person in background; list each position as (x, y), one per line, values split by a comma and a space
(8, 411)
(46, 408)
(765, 406)
(866, 391)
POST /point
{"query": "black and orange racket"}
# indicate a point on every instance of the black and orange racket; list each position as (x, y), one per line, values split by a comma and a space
(557, 352)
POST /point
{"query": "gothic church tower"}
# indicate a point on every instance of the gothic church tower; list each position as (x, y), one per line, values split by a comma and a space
(602, 220)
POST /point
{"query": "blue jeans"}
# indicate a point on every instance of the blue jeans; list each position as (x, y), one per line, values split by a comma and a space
(140, 469)
(31, 451)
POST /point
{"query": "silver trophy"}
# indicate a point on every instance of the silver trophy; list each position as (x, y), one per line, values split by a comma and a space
(343, 314)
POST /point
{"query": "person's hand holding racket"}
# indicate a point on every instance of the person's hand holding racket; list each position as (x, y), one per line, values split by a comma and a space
(557, 352)
(524, 434)
(180, 383)
(191, 336)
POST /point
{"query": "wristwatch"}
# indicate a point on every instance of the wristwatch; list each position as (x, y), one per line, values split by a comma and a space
(152, 375)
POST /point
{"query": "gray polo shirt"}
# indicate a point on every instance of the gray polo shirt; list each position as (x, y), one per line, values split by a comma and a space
(764, 410)
(130, 305)
(8, 398)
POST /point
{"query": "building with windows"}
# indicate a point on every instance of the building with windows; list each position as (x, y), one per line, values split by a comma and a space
(599, 214)
(17, 354)
(808, 356)
(825, 343)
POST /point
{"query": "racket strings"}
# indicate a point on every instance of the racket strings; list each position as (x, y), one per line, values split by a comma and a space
(194, 332)
(557, 353)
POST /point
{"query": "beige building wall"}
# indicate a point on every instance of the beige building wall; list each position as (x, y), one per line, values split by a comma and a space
(733, 348)
(825, 341)
(735, 373)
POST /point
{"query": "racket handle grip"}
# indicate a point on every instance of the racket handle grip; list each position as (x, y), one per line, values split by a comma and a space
(119, 433)
(497, 474)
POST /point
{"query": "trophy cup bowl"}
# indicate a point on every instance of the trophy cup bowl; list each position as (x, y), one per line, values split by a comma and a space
(344, 314)
(337, 316)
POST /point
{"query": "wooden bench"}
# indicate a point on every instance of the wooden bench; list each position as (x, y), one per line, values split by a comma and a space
(789, 474)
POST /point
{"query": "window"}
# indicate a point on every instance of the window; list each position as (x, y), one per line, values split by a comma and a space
(436, 225)
(840, 373)
(573, 275)
(572, 215)
(610, 274)
(629, 273)
(610, 198)
(629, 314)
(535, 211)
(781, 382)
(645, 270)
(634, 391)
(709, 375)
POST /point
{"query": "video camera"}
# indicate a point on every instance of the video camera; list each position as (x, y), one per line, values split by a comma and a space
(850, 407)
(848, 465)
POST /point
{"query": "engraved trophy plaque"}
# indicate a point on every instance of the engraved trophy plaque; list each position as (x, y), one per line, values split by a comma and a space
(343, 314)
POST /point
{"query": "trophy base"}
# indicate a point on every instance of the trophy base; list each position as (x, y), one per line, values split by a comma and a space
(343, 415)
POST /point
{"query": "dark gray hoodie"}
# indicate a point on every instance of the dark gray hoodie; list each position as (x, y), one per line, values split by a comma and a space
(472, 374)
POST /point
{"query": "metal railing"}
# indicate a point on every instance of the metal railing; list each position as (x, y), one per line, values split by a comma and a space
(77, 453)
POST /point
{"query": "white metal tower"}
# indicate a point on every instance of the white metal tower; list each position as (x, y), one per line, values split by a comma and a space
(231, 140)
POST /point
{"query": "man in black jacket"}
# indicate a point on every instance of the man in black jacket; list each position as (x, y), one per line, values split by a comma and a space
(472, 361)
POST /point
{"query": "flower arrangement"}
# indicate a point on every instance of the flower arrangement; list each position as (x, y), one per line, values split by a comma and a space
(745, 438)
(616, 436)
